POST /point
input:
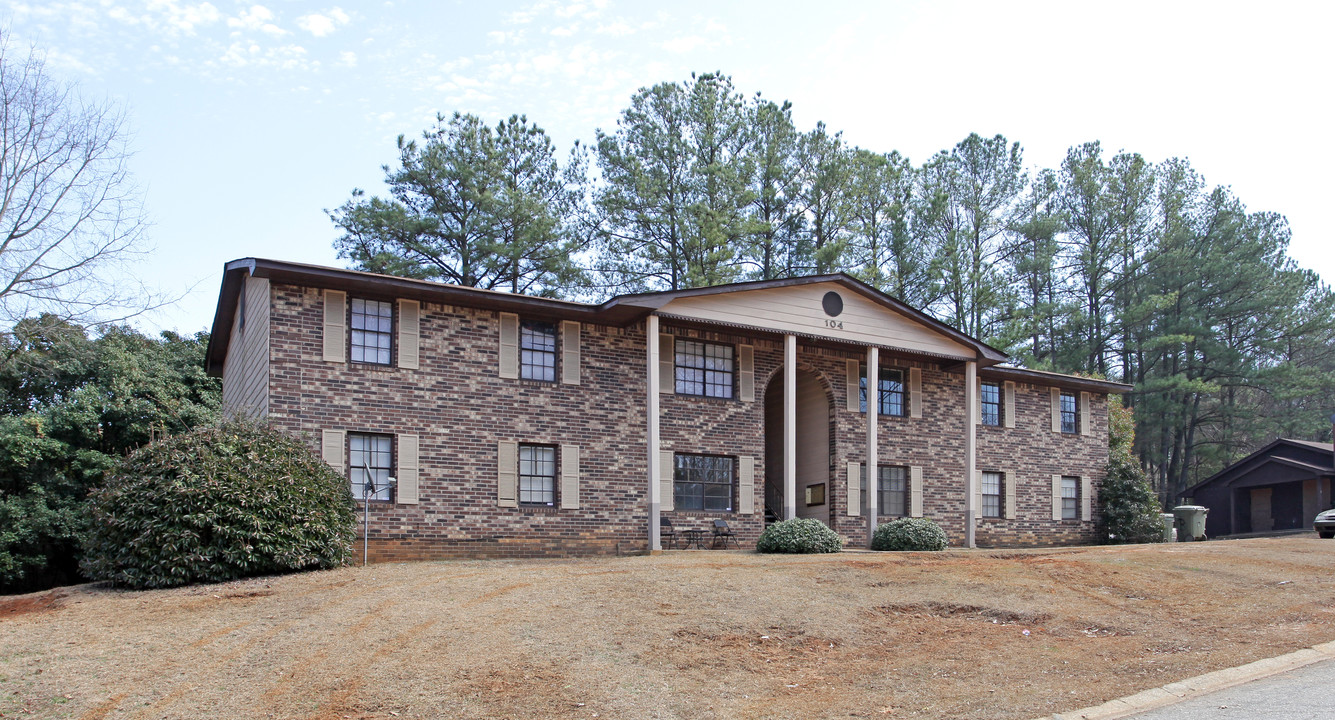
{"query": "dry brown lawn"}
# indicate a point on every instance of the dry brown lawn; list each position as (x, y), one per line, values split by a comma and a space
(697, 634)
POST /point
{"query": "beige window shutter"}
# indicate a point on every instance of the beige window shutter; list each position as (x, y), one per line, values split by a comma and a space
(335, 326)
(406, 493)
(410, 333)
(665, 473)
(854, 489)
(1012, 480)
(1056, 497)
(1056, 411)
(1009, 402)
(915, 392)
(1086, 498)
(509, 359)
(853, 380)
(507, 474)
(332, 443)
(746, 485)
(1085, 429)
(570, 336)
(915, 491)
(977, 493)
(746, 372)
(569, 477)
(978, 401)
(667, 364)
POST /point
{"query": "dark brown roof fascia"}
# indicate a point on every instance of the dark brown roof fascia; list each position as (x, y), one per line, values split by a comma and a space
(1060, 380)
(619, 311)
(389, 286)
(220, 335)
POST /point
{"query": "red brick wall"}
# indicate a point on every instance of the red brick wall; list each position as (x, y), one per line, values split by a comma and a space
(460, 408)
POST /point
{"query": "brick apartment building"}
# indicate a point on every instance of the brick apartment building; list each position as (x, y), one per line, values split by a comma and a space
(525, 426)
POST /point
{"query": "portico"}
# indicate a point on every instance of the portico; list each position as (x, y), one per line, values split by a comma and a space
(832, 318)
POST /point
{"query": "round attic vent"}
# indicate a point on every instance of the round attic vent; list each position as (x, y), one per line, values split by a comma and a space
(832, 303)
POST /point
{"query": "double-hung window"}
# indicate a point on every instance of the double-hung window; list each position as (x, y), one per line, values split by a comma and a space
(889, 392)
(537, 475)
(1070, 497)
(991, 403)
(891, 489)
(537, 351)
(372, 331)
(370, 465)
(991, 494)
(704, 368)
(892, 486)
(703, 482)
(1069, 414)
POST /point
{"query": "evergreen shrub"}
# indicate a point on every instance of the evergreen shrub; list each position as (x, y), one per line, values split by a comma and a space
(215, 504)
(1130, 507)
(799, 535)
(909, 534)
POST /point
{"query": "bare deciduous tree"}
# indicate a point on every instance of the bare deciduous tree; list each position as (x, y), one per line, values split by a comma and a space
(71, 218)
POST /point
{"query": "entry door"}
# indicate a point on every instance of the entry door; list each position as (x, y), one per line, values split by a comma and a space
(813, 449)
(1262, 520)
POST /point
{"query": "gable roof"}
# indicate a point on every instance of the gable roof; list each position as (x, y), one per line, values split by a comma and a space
(1266, 455)
(619, 311)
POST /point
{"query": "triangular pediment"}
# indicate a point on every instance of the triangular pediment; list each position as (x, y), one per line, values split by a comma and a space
(805, 310)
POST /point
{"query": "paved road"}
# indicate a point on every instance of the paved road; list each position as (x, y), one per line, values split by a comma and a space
(1302, 694)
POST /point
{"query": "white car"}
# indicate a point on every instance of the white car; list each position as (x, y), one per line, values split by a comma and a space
(1324, 524)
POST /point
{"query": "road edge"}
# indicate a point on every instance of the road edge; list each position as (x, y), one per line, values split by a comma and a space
(1192, 687)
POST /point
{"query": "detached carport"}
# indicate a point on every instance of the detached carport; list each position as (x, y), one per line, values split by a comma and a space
(1282, 486)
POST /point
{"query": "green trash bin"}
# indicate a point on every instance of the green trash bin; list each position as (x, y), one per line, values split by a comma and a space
(1190, 522)
(1167, 518)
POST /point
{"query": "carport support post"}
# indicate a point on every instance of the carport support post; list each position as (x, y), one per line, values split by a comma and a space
(873, 408)
(651, 403)
(789, 427)
(970, 449)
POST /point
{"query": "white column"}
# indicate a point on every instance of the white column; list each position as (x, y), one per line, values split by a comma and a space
(789, 427)
(873, 454)
(970, 449)
(651, 403)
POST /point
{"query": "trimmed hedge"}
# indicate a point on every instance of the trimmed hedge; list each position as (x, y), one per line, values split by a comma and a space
(215, 504)
(909, 534)
(799, 535)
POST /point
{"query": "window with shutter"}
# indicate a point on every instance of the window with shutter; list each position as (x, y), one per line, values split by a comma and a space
(370, 465)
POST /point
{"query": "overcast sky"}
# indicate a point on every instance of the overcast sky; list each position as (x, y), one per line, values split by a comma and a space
(251, 119)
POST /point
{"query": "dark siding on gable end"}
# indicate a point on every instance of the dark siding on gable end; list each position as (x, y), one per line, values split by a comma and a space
(246, 369)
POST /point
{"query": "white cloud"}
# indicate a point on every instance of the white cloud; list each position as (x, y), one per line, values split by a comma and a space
(168, 17)
(323, 23)
(347, 58)
(184, 19)
(683, 44)
(616, 29)
(258, 18)
(283, 57)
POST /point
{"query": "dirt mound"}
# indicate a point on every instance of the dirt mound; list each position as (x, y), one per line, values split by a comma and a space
(28, 604)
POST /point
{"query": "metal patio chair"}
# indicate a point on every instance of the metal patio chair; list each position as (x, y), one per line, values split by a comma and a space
(667, 533)
(723, 533)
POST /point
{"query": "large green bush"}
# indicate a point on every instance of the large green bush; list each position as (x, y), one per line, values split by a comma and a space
(215, 504)
(799, 535)
(909, 534)
(1130, 507)
(71, 403)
